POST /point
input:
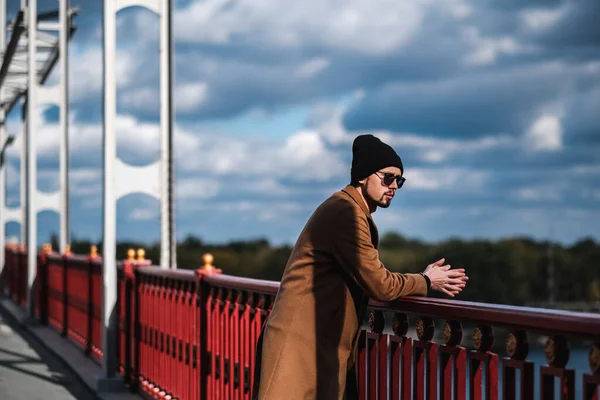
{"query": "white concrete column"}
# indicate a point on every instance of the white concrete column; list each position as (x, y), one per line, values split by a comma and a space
(31, 154)
(63, 33)
(23, 166)
(167, 222)
(109, 381)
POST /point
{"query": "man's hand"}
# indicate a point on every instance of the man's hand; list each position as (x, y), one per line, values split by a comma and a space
(446, 280)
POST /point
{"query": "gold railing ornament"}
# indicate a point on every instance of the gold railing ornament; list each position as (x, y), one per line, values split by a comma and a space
(517, 344)
(425, 329)
(483, 338)
(141, 255)
(47, 248)
(208, 268)
(400, 324)
(129, 264)
(67, 249)
(557, 351)
(453, 333)
(208, 262)
(376, 322)
(93, 251)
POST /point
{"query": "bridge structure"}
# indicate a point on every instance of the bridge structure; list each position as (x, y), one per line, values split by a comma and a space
(161, 332)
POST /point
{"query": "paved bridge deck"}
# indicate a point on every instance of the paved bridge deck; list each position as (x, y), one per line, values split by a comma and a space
(37, 363)
(29, 371)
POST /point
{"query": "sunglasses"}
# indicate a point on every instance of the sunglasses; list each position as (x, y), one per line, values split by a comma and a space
(387, 179)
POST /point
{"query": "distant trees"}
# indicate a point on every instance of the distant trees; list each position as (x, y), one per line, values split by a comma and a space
(510, 271)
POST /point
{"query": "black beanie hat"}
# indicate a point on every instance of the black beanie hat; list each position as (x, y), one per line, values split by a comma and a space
(369, 155)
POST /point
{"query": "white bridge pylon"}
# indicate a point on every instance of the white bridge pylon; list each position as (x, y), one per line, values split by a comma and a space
(22, 77)
(121, 179)
(37, 41)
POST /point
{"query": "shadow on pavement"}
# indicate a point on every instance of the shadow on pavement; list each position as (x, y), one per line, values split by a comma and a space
(58, 372)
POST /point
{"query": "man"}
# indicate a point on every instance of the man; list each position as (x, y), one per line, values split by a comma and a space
(306, 348)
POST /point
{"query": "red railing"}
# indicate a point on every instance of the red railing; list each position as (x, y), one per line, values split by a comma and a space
(14, 274)
(192, 335)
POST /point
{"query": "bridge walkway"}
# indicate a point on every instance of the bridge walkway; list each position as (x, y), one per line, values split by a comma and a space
(29, 371)
(37, 363)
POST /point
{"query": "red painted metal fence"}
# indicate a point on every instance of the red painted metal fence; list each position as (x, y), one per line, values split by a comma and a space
(192, 334)
(14, 274)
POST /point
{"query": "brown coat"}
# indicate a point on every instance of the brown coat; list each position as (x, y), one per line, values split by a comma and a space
(306, 348)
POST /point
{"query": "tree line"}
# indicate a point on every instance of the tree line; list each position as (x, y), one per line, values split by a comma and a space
(512, 271)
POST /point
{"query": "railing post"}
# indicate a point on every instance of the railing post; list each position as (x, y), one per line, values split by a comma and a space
(13, 274)
(591, 381)
(4, 268)
(131, 342)
(11, 271)
(16, 276)
(43, 286)
(93, 255)
(21, 285)
(7, 273)
(65, 294)
(135, 335)
(204, 357)
(127, 280)
(132, 317)
(25, 290)
(14, 267)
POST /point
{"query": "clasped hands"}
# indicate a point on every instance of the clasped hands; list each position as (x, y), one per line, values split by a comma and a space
(446, 280)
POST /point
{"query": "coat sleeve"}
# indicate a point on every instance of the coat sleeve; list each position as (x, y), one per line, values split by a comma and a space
(354, 252)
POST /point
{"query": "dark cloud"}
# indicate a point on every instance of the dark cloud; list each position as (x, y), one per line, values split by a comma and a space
(515, 5)
(574, 34)
(523, 160)
(577, 26)
(469, 106)
(582, 117)
(237, 85)
(541, 189)
(248, 73)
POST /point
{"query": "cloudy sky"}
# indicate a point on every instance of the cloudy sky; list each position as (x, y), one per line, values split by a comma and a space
(492, 105)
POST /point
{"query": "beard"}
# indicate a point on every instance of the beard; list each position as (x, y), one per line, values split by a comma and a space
(382, 202)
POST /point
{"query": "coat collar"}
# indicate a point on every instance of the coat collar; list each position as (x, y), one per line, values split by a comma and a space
(353, 193)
